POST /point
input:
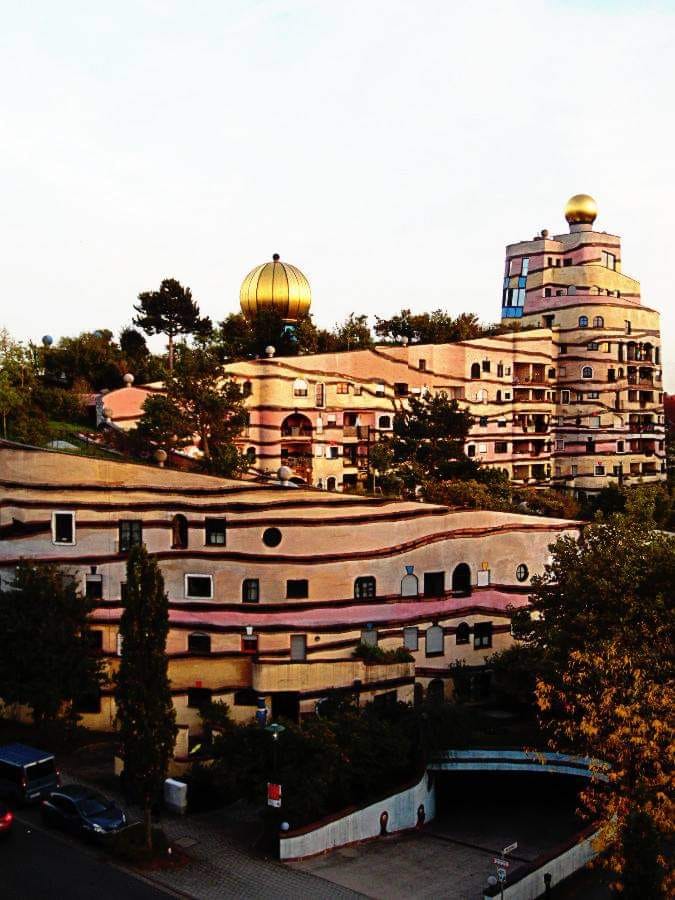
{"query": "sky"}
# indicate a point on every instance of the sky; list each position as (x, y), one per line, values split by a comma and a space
(389, 149)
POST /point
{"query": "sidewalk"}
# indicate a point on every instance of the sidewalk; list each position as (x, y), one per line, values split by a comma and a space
(222, 870)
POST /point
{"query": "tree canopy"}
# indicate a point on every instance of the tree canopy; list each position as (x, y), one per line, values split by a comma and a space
(171, 311)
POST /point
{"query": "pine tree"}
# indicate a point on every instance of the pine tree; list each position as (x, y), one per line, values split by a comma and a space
(170, 311)
(145, 712)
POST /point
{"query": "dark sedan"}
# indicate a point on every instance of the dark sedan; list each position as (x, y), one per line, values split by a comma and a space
(81, 810)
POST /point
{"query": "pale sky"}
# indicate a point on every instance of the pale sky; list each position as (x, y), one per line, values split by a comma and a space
(389, 149)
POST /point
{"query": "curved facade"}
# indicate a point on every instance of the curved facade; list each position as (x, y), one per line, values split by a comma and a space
(272, 588)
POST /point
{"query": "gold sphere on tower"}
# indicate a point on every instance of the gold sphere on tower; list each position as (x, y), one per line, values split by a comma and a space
(581, 209)
(276, 285)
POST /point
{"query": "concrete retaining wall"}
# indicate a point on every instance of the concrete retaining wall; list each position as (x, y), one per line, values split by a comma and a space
(530, 884)
(407, 809)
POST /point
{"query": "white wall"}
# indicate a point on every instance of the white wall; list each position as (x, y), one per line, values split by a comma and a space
(364, 823)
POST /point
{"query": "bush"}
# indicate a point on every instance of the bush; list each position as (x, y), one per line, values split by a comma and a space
(376, 654)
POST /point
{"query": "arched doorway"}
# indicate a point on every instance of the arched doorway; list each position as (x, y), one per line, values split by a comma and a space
(296, 446)
(461, 580)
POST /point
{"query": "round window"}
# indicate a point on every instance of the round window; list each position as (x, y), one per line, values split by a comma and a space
(271, 537)
(522, 572)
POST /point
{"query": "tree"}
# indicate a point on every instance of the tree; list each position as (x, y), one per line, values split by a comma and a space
(145, 711)
(162, 424)
(170, 311)
(428, 440)
(93, 357)
(431, 328)
(603, 620)
(353, 334)
(46, 661)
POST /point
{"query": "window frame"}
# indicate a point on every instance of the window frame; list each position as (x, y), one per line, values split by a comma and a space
(482, 635)
(210, 530)
(133, 525)
(359, 582)
(245, 585)
(199, 651)
(188, 595)
(73, 536)
(302, 592)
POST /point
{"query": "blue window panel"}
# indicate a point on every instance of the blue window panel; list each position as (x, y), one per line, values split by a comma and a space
(522, 281)
(512, 312)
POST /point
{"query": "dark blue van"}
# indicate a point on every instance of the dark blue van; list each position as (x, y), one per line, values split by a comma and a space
(26, 773)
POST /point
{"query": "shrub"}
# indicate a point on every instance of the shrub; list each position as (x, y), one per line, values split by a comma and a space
(377, 654)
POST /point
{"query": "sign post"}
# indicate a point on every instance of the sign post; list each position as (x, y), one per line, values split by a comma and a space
(503, 864)
(273, 794)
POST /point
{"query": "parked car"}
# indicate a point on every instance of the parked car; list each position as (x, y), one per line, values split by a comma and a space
(78, 809)
(6, 820)
(26, 773)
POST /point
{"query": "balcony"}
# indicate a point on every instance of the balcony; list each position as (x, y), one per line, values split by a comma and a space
(271, 676)
(359, 432)
(296, 432)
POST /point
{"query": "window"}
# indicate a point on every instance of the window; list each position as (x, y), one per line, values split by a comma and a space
(130, 534)
(300, 388)
(93, 589)
(379, 390)
(198, 698)
(471, 450)
(574, 470)
(628, 326)
(485, 365)
(434, 641)
(250, 590)
(599, 469)
(215, 532)
(400, 389)
(249, 643)
(411, 638)
(250, 456)
(522, 572)
(482, 635)
(560, 445)
(462, 634)
(320, 394)
(409, 584)
(369, 637)
(501, 423)
(94, 639)
(384, 422)
(343, 387)
(617, 470)
(525, 265)
(592, 345)
(587, 372)
(179, 532)
(63, 528)
(358, 390)
(567, 261)
(475, 370)
(332, 452)
(564, 396)
(619, 446)
(199, 587)
(298, 647)
(297, 589)
(598, 322)
(246, 389)
(501, 447)
(422, 365)
(271, 537)
(593, 395)
(547, 292)
(482, 421)
(365, 588)
(583, 321)
(608, 260)
(434, 584)
(198, 642)
(246, 697)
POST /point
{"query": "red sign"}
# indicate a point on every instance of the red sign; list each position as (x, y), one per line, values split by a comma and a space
(502, 863)
(273, 794)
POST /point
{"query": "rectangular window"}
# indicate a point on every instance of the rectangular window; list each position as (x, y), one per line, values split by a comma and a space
(411, 638)
(422, 365)
(250, 590)
(485, 365)
(482, 635)
(560, 445)
(547, 292)
(608, 260)
(319, 394)
(525, 265)
(297, 589)
(628, 326)
(501, 447)
(434, 584)
(574, 470)
(550, 262)
(215, 532)
(400, 389)
(564, 396)
(567, 262)
(63, 528)
(198, 698)
(500, 370)
(332, 452)
(130, 534)
(593, 395)
(358, 390)
(369, 637)
(379, 390)
(594, 421)
(501, 423)
(298, 647)
(562, 371)
(619, 446)
(94, 587)
(249, 643)
(343, 387)
(599, 470)
(482, 421)
(593, 345)
(199, 587)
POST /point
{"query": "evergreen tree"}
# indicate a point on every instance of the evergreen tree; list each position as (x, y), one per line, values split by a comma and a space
(46, 661)
(170, 311)
(145, 712)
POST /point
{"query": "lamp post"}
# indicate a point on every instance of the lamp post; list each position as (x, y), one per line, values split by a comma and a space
(274, 788)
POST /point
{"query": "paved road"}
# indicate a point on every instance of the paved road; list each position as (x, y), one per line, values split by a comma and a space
(41, 865)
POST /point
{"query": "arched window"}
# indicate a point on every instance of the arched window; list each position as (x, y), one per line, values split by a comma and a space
(384, 422)
(300, 388)
(198, 642)
(461, 579)
(434, 639)
(247, 389)
(598, 322)
(475, 370)
(587, 372)
(409, 585)
(364, 588)
(463, 633)
(179, 532)
(250, 455)
(330, 484)
(583, 321)
(499, 396)
(435, 691)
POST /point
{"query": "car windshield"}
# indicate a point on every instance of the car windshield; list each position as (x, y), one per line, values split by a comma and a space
(40, 770)
(93, 804)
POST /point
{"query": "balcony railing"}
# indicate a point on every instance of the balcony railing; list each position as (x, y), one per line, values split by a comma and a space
(296, 431)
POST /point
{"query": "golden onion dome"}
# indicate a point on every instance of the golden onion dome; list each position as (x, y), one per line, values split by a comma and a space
(276, 285)
(581, 209)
